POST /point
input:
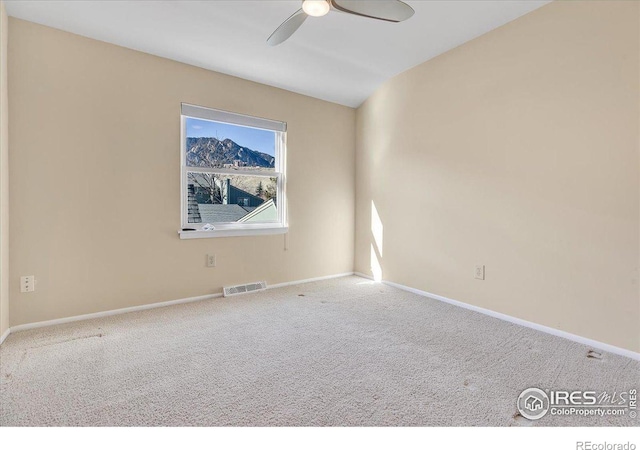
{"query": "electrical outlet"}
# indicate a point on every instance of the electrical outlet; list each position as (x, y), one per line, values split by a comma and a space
(211, 260)
(480, 272)
(28, 283)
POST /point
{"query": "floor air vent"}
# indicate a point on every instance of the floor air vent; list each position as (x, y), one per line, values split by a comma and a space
(244, 288)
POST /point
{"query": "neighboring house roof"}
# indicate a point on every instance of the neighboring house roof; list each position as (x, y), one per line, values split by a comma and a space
(264, 213)
(192, 205)
(212, 213)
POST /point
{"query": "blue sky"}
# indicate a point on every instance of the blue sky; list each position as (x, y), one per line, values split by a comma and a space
(260, 140)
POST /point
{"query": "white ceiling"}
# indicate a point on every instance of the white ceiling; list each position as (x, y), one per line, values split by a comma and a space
(339, 57)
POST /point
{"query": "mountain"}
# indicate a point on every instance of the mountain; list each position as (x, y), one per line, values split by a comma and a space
(210, 152)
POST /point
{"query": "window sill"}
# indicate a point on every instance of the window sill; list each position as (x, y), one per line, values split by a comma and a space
(198, 234)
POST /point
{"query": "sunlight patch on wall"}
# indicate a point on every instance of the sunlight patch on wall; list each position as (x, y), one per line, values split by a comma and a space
(377, 231)
(376, 268)
(376, 228)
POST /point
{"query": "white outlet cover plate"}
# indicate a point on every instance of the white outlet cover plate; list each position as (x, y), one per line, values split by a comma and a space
(28, 283)
(211, 260)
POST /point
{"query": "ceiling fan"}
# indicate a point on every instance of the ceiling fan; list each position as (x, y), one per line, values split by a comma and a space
(388, 10)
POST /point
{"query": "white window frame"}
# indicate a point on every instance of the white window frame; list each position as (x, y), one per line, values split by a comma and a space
(224, 229)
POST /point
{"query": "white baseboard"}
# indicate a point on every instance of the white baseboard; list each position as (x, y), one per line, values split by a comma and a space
(4, 335)
(310, 280)
(545, 329)
(563, 334)
(363, 275)
(113, 312)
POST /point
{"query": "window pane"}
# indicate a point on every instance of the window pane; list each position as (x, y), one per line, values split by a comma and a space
(222, 145)
(215, 198)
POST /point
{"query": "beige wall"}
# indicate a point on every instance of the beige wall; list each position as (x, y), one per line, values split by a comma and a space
(95, 179)
(518, 150)
(4, 174)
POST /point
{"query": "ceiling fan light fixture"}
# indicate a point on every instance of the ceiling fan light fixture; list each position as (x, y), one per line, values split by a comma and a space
(388, 10)
(316, 8)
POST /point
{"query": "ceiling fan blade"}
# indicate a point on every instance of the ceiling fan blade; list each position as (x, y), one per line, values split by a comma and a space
(389, 10)
(288, 27)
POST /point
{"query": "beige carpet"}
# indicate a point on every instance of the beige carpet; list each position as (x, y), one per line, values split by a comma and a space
(339, 352)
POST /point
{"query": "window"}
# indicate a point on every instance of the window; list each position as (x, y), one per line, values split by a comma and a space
(233, 174)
